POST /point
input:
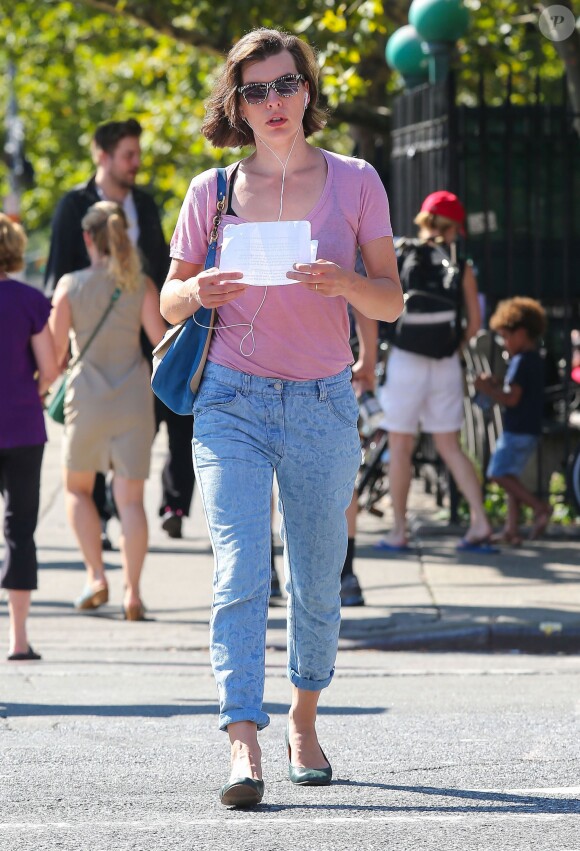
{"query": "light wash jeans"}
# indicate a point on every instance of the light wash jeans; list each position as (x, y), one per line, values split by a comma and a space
(245, 428)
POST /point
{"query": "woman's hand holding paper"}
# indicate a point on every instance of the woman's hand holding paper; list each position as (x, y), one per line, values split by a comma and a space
(212, 288)
(323, 278)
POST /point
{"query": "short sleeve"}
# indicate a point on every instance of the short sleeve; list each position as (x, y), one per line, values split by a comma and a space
(190, 238)
(39, 311)
(375, 218)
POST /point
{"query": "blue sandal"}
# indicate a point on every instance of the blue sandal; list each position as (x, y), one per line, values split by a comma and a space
(478, 545)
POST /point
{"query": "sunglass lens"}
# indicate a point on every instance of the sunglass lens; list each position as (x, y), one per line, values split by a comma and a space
(256, 94)
(286, 87)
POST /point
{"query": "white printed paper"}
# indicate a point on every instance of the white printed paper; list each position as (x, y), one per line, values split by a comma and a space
(266, 251)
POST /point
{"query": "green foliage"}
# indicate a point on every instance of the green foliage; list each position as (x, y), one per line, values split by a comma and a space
(504, 39)
(79, 64)
(564, 514)
(495, 505)
(77, 67)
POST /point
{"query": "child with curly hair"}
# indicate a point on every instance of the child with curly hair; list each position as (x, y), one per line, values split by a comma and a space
(521, 322)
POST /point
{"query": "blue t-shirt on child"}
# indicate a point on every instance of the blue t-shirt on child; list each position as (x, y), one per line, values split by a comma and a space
(527, 371)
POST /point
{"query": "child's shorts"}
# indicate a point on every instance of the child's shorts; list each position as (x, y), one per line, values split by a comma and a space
(512, 453)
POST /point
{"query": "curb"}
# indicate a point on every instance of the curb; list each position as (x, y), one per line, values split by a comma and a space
(549, 638)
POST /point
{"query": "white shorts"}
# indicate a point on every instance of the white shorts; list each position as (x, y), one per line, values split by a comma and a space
(422, 394)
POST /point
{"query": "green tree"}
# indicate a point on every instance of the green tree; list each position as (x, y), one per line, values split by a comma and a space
(79, 64)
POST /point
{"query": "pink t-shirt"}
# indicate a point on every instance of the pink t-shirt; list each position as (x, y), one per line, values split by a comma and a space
(298, 334)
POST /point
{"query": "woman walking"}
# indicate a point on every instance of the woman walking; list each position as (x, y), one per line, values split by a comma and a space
(276, 394)
(424, 386)
(109, 418)
(28, 370)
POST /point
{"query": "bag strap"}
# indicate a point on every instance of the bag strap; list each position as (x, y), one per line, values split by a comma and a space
(96, 329)
(222, 187)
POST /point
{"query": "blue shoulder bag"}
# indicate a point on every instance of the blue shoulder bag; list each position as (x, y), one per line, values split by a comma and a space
(179, 359)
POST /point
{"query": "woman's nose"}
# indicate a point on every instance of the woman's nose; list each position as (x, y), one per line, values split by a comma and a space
(273, 96)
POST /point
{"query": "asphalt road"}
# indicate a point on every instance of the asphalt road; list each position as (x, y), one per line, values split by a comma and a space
(429, 751)
(111, 744)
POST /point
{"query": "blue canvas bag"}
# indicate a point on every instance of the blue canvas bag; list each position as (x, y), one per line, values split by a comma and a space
(179, 359)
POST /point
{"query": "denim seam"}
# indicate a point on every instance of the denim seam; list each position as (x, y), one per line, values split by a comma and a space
(207, 523)
(290, 578)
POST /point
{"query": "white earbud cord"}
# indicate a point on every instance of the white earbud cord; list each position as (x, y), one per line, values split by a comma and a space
(250, 324)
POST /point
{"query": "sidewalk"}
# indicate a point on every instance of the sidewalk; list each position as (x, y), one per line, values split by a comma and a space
(429, 598)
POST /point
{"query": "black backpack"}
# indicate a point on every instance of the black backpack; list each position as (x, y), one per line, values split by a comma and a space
(430, 324)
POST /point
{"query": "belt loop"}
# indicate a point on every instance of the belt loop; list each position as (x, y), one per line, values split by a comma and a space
(322, 390)
(245, 384)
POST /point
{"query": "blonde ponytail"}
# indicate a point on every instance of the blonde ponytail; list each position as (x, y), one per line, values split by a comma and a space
(124, 264)
(107, 224)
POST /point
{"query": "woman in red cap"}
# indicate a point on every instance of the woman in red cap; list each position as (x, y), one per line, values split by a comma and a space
(424, 388)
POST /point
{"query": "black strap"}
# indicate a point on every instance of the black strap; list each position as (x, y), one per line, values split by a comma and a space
(230, 210)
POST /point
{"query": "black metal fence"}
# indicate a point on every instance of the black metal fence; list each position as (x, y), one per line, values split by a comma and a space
(516, 167)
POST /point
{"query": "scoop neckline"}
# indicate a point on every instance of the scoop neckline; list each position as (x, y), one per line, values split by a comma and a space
(315, 209)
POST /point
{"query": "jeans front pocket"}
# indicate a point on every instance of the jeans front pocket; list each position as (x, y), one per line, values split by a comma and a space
(342, 402)
(212, 395)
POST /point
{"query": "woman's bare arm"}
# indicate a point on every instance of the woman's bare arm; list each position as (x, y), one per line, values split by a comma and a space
(189, 286)
(45, 356)
(60, 323)
(377, 296)
(471, 301)
(151, 318)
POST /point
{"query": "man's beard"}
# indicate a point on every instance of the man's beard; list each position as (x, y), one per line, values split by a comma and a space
(126, 181)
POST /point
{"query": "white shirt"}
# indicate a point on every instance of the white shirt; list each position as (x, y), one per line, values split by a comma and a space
(130, 210)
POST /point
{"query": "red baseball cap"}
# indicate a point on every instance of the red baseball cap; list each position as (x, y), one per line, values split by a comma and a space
(446, 204)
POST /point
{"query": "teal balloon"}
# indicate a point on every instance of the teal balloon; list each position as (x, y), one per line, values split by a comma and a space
(439, 20)
(404, 53)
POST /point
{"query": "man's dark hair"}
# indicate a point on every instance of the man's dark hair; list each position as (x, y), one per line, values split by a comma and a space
(107, 136)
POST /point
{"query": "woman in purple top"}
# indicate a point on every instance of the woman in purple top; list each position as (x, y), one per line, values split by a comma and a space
(28, 350)
(276, 395)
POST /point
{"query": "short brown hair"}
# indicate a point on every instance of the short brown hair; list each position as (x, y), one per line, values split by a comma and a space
(12, 245)
(520, 312)
(107, 136)
(223, 124)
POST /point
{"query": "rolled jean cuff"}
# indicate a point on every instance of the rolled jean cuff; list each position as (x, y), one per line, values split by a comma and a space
(253, 715)
(309, 685)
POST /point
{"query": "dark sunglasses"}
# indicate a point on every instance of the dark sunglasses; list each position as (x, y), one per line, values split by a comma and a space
(285, 86)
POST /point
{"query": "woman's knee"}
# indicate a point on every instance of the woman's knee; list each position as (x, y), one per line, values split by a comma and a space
(79, 484)
(128, 493)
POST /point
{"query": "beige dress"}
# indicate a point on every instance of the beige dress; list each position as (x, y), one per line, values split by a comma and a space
(109, 413)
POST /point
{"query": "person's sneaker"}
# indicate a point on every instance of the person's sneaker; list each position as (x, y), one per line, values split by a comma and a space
(275, 589)
(171, 523)
(350, 592)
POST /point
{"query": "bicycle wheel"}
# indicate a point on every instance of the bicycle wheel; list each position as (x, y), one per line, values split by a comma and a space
(372, 480)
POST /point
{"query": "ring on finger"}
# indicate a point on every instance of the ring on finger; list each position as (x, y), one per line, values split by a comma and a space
(316, 286)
